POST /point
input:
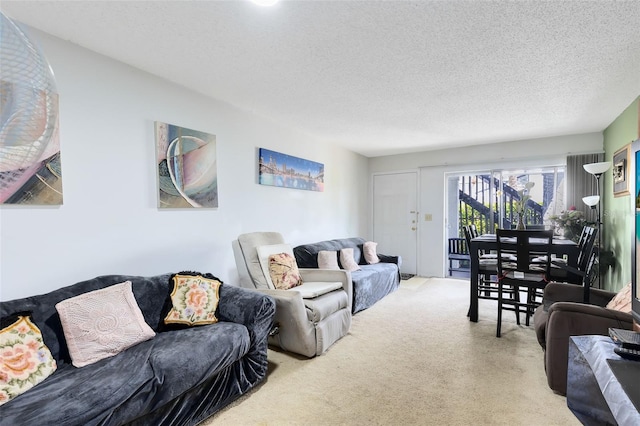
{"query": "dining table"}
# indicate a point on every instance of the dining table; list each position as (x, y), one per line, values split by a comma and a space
(560, 248)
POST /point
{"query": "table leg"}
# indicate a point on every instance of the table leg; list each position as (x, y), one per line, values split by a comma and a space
(473, 296)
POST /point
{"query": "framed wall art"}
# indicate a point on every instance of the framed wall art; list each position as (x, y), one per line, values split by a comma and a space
(287, 171)
(621, 171)
(30, 165)
(187, 174)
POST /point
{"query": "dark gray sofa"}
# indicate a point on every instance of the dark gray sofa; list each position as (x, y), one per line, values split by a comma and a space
(371, 283)
(176, 378)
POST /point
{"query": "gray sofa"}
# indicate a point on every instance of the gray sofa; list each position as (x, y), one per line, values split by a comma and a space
(178, 377)
(371, 283)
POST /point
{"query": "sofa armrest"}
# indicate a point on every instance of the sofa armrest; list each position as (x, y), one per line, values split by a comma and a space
(249, 308)
(593, 316)
(256, 312)
(564, 292)
(329, 275)
(390, 259)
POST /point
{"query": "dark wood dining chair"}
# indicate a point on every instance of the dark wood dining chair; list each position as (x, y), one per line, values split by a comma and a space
(458, 256)
(519, 267)
(488, 267)
(574, 272)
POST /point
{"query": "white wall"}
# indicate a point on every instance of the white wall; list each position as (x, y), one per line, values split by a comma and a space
(434, 165)
(109, 223)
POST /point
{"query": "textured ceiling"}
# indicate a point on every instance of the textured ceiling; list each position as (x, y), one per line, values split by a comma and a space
(379, 77)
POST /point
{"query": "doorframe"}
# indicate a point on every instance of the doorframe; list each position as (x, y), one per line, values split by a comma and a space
(418, 204)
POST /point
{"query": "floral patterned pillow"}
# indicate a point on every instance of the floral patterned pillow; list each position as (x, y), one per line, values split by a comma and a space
(25, 360)
(194, 300)
(284, 272)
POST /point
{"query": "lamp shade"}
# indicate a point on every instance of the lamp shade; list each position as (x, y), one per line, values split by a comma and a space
(597, 168)
(591, 200)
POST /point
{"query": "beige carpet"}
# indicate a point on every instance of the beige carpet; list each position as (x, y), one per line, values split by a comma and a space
(412, 359)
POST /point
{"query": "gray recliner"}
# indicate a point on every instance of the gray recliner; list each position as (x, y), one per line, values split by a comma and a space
(309, 318)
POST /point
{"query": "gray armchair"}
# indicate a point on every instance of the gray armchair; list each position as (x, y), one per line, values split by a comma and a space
(562, 315)
(309, 318)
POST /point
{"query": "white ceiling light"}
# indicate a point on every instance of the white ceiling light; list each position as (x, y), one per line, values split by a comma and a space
(265, 2)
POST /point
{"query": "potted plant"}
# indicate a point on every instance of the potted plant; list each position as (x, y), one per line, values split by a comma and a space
(521, 204)
(569, 223)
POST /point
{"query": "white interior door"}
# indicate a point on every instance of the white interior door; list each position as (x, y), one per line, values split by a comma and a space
(395, 218)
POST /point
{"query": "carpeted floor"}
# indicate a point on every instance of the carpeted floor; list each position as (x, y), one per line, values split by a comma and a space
(412, 359)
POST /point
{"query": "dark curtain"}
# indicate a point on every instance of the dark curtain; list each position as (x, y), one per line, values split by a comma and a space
(581, 184)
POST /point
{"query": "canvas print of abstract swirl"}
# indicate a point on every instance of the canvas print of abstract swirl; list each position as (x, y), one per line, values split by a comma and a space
(30, 168)
(187, 174)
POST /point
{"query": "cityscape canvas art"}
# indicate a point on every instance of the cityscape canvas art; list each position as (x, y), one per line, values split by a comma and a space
(187, 173)
(278, 169)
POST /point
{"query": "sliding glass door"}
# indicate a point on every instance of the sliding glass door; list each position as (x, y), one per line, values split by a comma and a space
(488, 199)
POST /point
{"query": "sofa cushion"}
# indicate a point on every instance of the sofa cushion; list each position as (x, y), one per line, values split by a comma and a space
(328, 259)
(96, 394)
(194, 300)
(137, 381)
(284, 271)
(102, 323)
(347, 261)
(210, 349)
(25, 360)
(372, 283)
(369, 249)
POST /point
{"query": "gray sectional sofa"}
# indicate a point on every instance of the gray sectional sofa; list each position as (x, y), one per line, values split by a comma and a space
(178, 377)
(371, 283)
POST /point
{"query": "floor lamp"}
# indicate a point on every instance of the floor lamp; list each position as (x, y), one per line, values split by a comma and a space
(597, 170)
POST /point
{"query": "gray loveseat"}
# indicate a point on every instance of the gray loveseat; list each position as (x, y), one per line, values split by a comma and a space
(176, 378)
(371, 283)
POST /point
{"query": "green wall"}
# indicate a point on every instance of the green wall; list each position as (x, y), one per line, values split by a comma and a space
(617, 211)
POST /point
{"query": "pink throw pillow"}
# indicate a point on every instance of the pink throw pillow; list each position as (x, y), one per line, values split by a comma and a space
(328, 259)
(622, 301)
(370, 252)
(347, 260)
(102, 323)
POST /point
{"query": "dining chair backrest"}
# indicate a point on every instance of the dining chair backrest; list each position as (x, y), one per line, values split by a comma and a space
(470, 232)
(586, 244)
(467, 234)
(520, 251)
